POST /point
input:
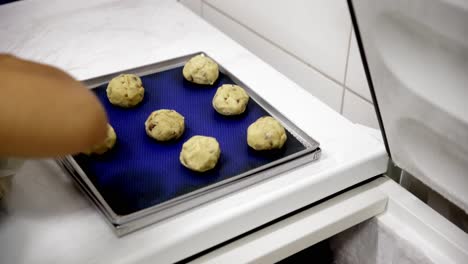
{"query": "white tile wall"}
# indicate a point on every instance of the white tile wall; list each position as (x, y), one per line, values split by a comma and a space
(316, 31)
(308, 78)
(310, 42)
(356, 77)
(194, 5)
(307, 42)
(359, 110)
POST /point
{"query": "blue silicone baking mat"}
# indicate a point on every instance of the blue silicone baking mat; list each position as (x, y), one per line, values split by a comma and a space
(140, 172)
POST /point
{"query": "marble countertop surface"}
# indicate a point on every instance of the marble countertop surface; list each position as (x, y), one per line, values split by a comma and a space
(47, 220)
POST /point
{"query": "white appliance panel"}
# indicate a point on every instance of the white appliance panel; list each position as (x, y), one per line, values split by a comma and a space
(417, 56)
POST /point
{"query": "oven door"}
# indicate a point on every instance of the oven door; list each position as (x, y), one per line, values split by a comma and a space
(378, 222)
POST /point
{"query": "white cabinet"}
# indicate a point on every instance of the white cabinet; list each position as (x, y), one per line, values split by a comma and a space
(395, 228)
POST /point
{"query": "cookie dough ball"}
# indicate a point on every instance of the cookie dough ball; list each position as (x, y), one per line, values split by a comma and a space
(200, 153)
(125, 90)
(266, 133)
(164, 125)
(106, 145)
(201, 69)
(230, 99)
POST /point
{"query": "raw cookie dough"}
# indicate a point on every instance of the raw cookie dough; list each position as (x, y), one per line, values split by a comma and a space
(164, 125)
(200, 153)
(230, 99)
(125, 90)
(266, 133)
(201, 69)
(108, 143)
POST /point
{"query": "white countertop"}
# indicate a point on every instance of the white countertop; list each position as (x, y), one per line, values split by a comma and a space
(47, 220)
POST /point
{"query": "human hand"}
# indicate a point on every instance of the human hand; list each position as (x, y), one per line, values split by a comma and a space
(45, 112)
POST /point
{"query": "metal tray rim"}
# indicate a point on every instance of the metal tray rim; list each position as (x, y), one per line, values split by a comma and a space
(310, 144)
(125, 228)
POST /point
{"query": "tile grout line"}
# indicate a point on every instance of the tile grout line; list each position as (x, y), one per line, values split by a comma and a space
(275, 45)
(346, 69)
(348, 53)
(202, 4)
(360, 96)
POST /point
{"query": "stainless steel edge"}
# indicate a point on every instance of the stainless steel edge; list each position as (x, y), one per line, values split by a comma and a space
(176, 208)
(300, 135)
(67, 168)
(142, 70)
(225, 190)
(134, 221)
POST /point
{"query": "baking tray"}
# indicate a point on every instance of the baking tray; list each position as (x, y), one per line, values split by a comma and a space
(140, 181)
